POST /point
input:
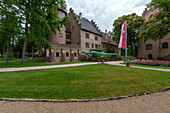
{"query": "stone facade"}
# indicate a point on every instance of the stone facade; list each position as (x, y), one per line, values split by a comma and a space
(107, 42)
(62, 51)
(80, 27)
(154, 50)
(81, 36)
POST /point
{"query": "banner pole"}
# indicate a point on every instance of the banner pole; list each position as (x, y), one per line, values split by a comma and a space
(126, 44)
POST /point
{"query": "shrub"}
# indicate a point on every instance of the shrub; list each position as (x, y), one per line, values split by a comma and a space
(98, 50)
(160, 58)
(99, 56)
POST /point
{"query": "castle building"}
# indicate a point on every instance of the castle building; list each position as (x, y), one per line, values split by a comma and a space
(63, 50)
(81, 36)
(153, 49)
(84, 32)
(107, 42)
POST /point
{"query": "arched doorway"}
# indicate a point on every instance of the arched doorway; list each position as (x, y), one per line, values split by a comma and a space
(150, 56)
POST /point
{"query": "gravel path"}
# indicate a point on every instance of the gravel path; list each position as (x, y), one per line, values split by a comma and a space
(154, 103)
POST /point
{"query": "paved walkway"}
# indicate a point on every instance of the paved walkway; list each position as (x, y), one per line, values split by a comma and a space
(117, 63)
(43, 67)
(154, 103)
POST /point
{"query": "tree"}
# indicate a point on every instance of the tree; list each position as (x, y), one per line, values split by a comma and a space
(34, 14)
(158, 26)
(9, 24)
(133, 23)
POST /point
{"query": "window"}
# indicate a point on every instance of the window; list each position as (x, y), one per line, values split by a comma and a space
(57, 54)
(96, 46)
(75, 54)
(99, 46)
(165, 45)
(87, 45)
(96, 38)
(61, 35)
(92, 45)
(149, 47)
(67, 54)
(87, 35)
(104, 46)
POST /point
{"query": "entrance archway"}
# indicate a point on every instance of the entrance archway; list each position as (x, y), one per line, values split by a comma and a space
(150, 56)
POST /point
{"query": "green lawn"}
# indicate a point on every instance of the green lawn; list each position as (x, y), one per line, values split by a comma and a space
(84, 82)
(161, 67)
(30, 62)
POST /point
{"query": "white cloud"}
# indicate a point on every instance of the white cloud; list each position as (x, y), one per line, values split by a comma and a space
(104, 12)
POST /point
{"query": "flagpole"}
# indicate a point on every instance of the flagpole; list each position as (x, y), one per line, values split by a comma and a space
(126, 45)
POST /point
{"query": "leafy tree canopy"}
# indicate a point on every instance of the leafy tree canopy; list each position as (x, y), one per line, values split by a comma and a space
(133, 23)
(158, 26)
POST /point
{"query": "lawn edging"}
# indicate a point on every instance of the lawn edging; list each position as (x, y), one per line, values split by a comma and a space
(82, 100)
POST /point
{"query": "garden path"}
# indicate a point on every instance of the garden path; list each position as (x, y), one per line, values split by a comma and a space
(117, 63)
(153, 103)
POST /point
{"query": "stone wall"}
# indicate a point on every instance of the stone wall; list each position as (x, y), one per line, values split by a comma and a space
(91, 40)
(142, 52)
(59, 37)
(74, 27)
(60, 51)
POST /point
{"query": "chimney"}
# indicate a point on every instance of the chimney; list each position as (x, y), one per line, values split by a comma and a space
(105, 31)
(80, 14)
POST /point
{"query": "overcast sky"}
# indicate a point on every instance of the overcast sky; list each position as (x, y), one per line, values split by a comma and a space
(104, 12)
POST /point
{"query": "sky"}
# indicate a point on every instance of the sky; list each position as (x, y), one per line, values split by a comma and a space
(104, 12)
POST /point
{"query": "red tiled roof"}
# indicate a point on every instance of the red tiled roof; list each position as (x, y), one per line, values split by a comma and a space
(107, 39)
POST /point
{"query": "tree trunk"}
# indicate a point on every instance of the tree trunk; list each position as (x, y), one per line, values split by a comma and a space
(7, 57)
(32, 52)
(159, 47)
(40, 49)
(3, 50)
(25, 42)
(45, 52)
(132, 50)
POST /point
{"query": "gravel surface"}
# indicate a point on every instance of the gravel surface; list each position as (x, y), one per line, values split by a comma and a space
(154, 103)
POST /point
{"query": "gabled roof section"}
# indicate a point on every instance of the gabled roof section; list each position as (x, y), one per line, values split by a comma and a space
(88, 26)
(107, 39)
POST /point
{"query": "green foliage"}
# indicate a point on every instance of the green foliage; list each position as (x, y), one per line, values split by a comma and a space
(33, 20)
(110, 50)
(158, 26)
(119, 57)
(107, 57)
(98, 50)
(129, 59)
(99, 56)
(133, 23)
(160, 58)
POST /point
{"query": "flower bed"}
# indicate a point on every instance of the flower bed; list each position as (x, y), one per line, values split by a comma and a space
(152, 63)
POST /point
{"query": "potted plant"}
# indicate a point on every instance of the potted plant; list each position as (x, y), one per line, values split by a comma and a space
(99, 56)
(129, 59)
(108, 57)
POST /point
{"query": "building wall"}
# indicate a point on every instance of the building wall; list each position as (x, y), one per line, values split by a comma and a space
(62, 50)
(91, 40)
(74, 27)
(142, 52)
(59, 37)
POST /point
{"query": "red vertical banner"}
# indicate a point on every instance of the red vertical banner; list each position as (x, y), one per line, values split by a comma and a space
(124, 35)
